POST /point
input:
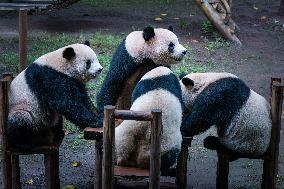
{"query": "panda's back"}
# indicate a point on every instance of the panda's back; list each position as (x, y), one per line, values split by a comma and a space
(250, 130)
(160, 89)
(20, 95)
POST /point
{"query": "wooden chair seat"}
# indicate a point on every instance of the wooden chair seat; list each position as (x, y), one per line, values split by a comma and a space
(43, 149)
(130, 171)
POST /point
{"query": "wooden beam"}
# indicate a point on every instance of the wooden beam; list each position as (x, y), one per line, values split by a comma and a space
(108, 147)
(23, 38)
(155, 150)
(133, 115)
(7, 158)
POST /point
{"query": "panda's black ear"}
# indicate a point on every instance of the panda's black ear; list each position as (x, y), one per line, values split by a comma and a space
(182, 74)
(148, 33)
(69, 53)
(187, 82)
(171, 28)
(87, 43)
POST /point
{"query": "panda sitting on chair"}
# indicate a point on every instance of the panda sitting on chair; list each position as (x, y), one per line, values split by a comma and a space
(157, 89)
(50, 87)
(242, 116)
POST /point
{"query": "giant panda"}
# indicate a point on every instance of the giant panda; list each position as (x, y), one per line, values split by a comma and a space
(148, 48)
(242, 116)
(157, 89)
(52, 86)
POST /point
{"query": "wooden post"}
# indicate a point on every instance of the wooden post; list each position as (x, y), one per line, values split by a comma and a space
(16, 172)
(98, 164)
(7, 166)
(222, 172)
(271, 166)
(23, 36)
(155, 150)
(181, 170)
(108, 146)
(51, 161)
(281, 8)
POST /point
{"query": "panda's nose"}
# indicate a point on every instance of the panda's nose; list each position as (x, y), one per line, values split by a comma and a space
(100, 70)
(184, 52)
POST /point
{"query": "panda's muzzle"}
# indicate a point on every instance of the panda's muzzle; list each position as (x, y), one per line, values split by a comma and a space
(95, 75)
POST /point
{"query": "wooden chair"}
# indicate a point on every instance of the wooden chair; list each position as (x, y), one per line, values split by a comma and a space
(11, 168)
(104, 163)
(270, 158)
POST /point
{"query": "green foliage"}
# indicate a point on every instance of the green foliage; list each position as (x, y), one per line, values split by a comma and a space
(218, 43)
(207, 27)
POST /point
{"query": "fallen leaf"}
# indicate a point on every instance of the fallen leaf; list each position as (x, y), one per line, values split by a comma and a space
(66, 132)
(30, 181)
(194, 41)
(158, 19)
(254, 7)
(164, 14)
(263, 18)
(76, 164)
(68, 187)
(176, 18)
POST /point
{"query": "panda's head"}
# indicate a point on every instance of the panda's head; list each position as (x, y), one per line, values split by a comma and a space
(77, 60)
(194, 83)
(160, 45)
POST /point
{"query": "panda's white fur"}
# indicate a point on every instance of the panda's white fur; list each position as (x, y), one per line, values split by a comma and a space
(132, 138)
(250, 129)
(30, 110)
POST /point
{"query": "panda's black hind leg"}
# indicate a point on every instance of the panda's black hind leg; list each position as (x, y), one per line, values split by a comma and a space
(19, 127)
(213, 143)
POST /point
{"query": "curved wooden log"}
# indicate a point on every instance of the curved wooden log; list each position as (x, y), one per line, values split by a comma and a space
(217, 21)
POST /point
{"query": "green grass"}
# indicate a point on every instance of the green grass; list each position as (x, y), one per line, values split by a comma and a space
(218, 43)
(207, 27)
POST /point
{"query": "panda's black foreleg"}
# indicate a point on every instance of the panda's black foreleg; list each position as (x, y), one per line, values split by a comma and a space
(169, 158)
(193, 125)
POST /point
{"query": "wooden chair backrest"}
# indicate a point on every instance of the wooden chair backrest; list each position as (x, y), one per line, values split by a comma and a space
(4, 107)
(110, 114)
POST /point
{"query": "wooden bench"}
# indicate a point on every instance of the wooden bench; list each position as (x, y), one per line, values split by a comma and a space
(270, 158)
(105, 140)
(11, 168)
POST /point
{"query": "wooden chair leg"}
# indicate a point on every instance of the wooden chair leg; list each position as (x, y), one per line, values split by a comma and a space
(51, 162)
(222, 172)
(7, 171)
(269, 175)
(16, 172)
(98, 165)
(181, 172)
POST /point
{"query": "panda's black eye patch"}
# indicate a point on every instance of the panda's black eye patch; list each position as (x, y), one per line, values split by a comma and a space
(88, 64)
(171, 47)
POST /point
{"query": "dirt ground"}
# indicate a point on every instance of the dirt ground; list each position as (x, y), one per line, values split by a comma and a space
(260, 57)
